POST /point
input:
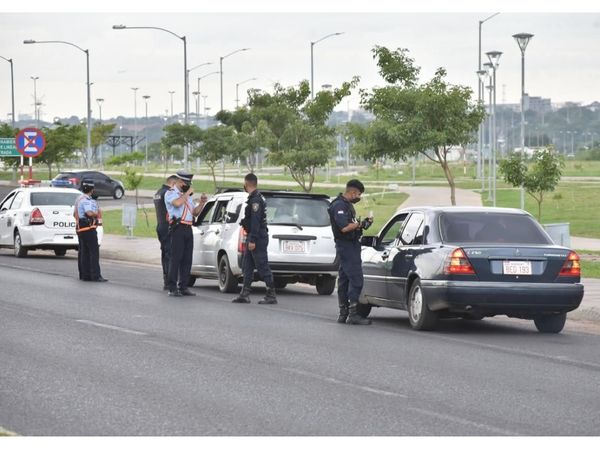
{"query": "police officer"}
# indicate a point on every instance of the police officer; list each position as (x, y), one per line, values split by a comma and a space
(87, 218)
(255, 253)
(181, 211)
(347, 231)
(162, 227)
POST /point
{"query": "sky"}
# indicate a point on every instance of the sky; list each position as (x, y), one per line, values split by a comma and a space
(562, 59)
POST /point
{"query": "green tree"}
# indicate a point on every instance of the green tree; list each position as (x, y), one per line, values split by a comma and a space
(177, 138)
(217, 144)
(126, 158)
(413, 118)
(99, 134)
(132, 181)
(61, 144)
(539, 178)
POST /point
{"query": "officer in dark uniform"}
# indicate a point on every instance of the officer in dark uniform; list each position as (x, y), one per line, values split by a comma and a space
(162, 227)
(87, 218)
(181, 210)
(255, 253)
(347, 231)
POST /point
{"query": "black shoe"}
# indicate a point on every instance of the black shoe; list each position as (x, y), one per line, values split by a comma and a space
(100, 280)
(354, 318)
(175, 293)
(187, 292)
(270, 298)
(343, 314)
(243, 297)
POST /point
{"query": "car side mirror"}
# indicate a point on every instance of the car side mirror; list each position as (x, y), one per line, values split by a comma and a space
(368, 241)
(231, 217)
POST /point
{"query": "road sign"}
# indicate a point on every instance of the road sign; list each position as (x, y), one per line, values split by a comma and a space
(7, 148)
(30, 142)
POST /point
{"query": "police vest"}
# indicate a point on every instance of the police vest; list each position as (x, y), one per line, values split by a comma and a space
(162, 216)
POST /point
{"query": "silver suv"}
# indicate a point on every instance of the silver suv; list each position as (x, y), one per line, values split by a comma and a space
(301, 246)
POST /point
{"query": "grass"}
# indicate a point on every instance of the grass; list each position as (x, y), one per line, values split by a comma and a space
(111, 221)
(575, 203)
(590, 269)
(382, 207)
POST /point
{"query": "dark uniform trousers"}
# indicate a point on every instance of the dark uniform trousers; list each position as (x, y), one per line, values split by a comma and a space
(162, 231)
(182, 247)
(257, 260)
(350, 280)
(88, 257)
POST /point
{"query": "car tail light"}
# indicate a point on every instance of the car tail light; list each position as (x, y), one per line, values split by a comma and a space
(571, 267)
(242, 240)
(36, 217)
(458, 264)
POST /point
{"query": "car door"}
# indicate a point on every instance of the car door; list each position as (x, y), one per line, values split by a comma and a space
(402, 257)
(213, 237)
(6, 220)
(102, 184)
(199, 233)
(375, 260)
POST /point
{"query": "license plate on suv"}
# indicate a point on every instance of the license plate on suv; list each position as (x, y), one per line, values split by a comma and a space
(517, 267)
(293, 246)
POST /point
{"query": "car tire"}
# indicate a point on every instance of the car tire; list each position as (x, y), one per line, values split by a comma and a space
(550, 323)
(60, 251)
(191, 281)
(420, 316)
(20, 251)
(363, 310)
(118, 193)
(326, 285)
(280, 283)
(227, 282)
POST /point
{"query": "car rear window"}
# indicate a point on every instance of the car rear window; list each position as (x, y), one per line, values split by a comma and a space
(307, 212)
(64, 176)
(54, 198)
(490, 228)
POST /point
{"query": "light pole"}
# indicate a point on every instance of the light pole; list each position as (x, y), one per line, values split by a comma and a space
(522, 40)
(494, 57)
(196, 95)
(35, 102)
(221, 58)
(146, 98)
(237, 91)
(483, 76)
(185, 75)
(480, 166)
(204, 76)
(194, 68)
(89, 100)
(312, 61)
(489, 87)
(99, 101)
(12, 88)
(134, 89)
(171, 94)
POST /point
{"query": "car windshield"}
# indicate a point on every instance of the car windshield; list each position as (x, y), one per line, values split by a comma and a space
(54, 198)
(492, 227)
(306, 212)
(64, 176)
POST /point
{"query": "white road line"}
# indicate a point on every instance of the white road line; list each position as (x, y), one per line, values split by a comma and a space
(185, 350)
(112, 327)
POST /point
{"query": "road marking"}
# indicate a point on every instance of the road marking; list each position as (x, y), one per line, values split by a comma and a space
(112, 327)
(185, 350)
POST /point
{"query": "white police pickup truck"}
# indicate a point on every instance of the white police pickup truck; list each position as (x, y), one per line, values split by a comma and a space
(33, 218)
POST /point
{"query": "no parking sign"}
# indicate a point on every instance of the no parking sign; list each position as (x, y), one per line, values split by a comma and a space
(30, 142)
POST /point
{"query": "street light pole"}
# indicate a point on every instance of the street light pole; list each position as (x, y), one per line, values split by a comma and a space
(89, 100)
(483, 76)
(221, 58)
(146, 97)
(312, 61)
(237, 91)
(99, 101)
(35, 102)
(12, 88)
(494, 57)
(490, 86)
(134, 89)
(522, 40)
(192, 69)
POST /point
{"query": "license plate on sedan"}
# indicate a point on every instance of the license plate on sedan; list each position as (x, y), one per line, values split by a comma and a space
(293, 246)
(517, 267)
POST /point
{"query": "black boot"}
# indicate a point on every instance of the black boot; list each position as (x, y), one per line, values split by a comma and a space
(165, 282)
(270, 298)
(354, 318)
(343, 311)
(243, 297)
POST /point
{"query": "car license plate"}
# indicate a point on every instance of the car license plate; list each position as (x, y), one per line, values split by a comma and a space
(517, 267)
(294, 246)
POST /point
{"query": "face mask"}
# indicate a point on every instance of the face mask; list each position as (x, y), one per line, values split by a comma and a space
(355, 200)
(185, 188)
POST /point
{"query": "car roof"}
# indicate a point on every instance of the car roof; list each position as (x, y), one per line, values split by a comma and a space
(464, 209)
(49, 189)
(238, 192)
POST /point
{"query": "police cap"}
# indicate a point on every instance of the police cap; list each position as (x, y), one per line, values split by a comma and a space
(87, 185)
(355, 184)
(184, 175)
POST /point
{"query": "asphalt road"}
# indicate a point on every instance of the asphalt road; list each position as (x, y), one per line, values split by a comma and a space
(123, 358)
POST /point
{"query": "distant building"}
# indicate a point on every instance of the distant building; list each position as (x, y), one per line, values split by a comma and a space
(539, 105)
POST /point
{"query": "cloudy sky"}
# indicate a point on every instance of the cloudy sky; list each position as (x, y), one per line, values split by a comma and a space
(562, 60)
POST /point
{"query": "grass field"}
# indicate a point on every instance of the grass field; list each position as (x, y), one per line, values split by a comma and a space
(590, 269)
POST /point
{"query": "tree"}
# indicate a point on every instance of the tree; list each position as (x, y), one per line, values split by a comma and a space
(538, 179)
(413, 118)
(177, 138)
(217, 144)
(127, 158)
(61, 144)
(99, 134)
(132, 181)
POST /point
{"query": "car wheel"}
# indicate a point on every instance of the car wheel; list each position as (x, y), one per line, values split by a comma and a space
(60, 251)
(326, 285)
(419, 315)
(550, 324)
(118, 193)
(363, 310)
(191, 281)
(227, 282)
(280, 283)
(20, 251)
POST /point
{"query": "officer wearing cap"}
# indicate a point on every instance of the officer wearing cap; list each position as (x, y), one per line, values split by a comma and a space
(162, 227)
(87, 218)
(255, 253)
(181, 211)
(347, 231)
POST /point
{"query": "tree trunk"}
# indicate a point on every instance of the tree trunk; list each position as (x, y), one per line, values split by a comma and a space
(214, 177)
(49, 170)
(450, 178)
